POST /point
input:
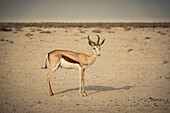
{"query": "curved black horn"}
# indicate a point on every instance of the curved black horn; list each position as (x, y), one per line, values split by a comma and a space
(102, 42)
(98, 39)
(91, 41)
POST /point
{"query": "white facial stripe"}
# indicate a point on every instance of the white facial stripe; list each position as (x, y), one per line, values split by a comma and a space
(97, 50)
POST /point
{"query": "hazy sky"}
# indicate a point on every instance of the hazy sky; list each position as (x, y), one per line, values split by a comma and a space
(85, 10)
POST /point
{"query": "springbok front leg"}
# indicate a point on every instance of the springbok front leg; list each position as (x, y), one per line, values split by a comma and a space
(83, 83)
(80, 80)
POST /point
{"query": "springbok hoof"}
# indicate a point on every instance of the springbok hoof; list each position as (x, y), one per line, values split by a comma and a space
(51, 94)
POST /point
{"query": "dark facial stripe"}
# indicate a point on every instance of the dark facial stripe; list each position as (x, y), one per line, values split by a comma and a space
(69, 60)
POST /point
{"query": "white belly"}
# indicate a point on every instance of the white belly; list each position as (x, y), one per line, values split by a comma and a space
(68, 65)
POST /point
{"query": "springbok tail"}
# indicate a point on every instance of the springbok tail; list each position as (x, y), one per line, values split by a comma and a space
(45, 63)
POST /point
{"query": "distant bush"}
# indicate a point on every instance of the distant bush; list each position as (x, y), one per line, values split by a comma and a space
(161, 33)
(97, 31)
(129, 50)
(127, 28)
(39, 30)
(165, 61)
(45, 32)
(28, 34)
(9, 41)
(82, 31)
(5, 29)
(111, 32)
(18, 28)
(147, 37)
(32, 30)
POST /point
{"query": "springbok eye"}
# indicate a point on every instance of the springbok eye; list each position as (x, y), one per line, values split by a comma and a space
(94, 48)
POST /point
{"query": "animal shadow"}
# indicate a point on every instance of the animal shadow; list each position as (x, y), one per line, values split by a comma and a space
(97, 89)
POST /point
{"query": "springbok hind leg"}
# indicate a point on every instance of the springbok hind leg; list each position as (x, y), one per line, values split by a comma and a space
(48, 83)
(48, 78)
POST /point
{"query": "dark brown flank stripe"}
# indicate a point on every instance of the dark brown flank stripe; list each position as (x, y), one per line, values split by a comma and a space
(69, 60)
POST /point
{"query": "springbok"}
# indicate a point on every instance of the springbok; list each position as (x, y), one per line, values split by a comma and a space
(72, 60)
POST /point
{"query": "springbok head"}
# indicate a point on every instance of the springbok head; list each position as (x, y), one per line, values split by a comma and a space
(96, 46)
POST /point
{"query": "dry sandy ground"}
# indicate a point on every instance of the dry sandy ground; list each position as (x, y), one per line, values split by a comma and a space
(132, 75)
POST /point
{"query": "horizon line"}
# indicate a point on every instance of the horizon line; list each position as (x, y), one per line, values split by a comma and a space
(84, 21)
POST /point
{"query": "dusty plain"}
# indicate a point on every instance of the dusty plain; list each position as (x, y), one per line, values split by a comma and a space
(132, 75)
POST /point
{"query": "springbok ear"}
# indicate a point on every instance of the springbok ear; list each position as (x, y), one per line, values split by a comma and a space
(102, 42)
